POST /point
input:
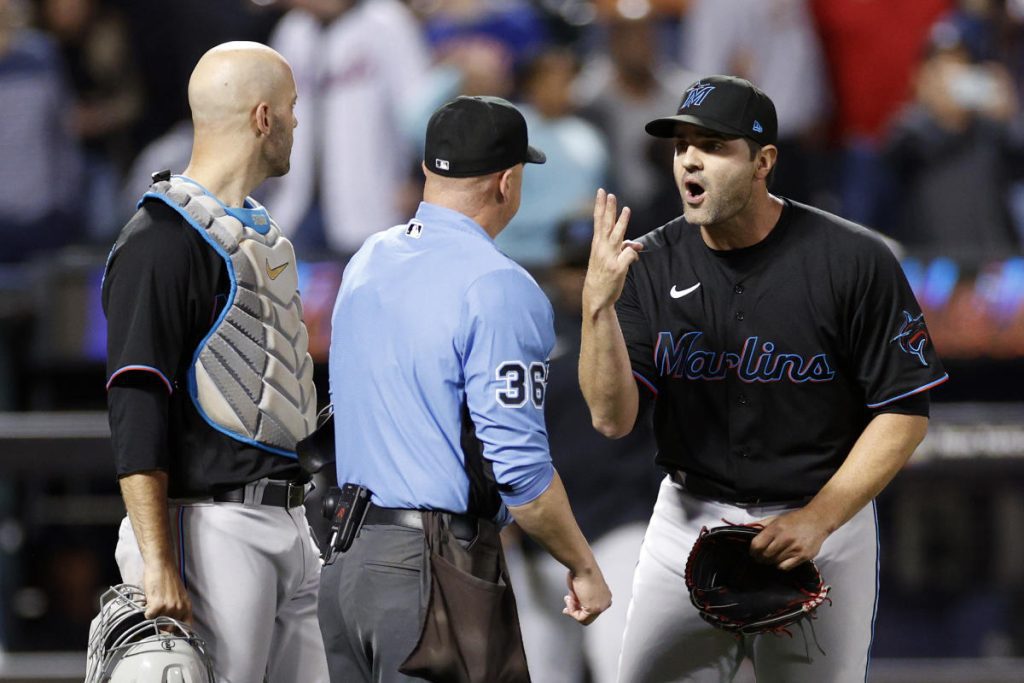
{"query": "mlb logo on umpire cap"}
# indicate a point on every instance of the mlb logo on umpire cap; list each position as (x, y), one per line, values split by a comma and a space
(725, 104)
(475, 136)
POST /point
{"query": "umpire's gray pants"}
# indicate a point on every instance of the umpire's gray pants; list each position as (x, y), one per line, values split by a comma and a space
(370, 605)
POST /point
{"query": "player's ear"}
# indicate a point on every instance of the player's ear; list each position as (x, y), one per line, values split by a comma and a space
(766, 158)
(261, 119)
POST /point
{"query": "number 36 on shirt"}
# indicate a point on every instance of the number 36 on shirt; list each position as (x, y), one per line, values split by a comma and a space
(522, 383)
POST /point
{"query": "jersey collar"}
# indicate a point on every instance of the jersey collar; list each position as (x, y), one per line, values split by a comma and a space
(439, 216)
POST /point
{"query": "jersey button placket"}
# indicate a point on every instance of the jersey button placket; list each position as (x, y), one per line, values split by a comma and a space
(739, 315)
(738, 289)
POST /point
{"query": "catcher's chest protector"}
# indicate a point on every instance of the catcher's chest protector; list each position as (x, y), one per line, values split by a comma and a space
(252, 376)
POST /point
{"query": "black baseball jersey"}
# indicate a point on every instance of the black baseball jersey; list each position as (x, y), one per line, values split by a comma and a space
(162, 291)
(766, 363)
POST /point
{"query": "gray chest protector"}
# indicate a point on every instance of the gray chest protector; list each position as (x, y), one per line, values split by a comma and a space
(252, 376)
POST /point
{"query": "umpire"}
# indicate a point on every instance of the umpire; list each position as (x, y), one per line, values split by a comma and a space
(438, 371)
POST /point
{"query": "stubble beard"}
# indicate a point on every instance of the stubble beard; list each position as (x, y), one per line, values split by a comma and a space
(279, 163)
(717, 208)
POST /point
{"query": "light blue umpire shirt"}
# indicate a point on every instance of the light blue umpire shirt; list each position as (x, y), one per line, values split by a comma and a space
(432, 319)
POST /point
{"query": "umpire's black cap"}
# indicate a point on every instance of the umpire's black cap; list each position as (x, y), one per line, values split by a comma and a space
(474, 136)
(724, 104)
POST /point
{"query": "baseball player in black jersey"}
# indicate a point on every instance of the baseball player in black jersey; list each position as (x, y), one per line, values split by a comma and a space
(787, 363)
(210, 385)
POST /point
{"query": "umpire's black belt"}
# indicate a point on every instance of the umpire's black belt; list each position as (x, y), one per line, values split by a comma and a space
(464, 527)
(282, 494)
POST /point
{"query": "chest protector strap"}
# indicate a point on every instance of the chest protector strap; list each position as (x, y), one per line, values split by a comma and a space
(251, 376)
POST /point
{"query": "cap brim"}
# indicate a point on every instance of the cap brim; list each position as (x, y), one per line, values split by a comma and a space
(667, 127)
(534, 155)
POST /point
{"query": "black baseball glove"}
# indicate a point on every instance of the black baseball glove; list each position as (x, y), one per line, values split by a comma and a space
(735, 592)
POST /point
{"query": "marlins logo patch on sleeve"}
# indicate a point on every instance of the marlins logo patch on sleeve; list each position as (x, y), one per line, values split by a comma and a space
(912, 336)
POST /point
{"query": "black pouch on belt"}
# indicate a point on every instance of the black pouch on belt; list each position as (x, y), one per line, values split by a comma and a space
(348, 506)
(470, 631)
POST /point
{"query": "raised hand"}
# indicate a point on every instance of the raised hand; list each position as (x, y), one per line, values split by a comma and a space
(610, 254)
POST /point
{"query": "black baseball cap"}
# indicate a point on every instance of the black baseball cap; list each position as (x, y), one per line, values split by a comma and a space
(474, 136)
(724, 104)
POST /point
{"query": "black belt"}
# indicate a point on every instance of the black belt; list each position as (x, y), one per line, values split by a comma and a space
(283, 494)
(464, 527)
(703, 488)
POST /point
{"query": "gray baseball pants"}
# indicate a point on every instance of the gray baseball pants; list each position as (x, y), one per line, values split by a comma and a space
(667, 641)
(252, 573)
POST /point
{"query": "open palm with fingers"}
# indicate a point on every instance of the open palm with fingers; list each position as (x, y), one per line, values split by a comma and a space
(611, 254)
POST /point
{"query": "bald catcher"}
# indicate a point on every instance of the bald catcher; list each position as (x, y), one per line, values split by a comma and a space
(210, 385)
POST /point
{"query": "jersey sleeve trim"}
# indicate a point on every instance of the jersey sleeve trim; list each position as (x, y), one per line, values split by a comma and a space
(926, 387)
(141, 368)
(646, 382)
(538, 480)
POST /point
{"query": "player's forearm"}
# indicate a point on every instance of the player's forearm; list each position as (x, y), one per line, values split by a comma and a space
(145, 497)
(606, 376)
(548, 519)
(882, 450)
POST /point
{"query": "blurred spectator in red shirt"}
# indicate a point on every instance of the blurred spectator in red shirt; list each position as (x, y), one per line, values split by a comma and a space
(871, 49)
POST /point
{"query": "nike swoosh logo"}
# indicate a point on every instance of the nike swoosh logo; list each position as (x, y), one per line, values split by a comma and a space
(677, 294)
(274, 272)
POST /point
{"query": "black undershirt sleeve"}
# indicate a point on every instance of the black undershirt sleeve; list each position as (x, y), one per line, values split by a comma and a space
(138, 405)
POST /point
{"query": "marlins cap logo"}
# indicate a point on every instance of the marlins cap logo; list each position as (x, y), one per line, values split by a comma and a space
(696, 95)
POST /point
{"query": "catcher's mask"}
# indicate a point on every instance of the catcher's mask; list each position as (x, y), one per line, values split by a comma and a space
(126, 647)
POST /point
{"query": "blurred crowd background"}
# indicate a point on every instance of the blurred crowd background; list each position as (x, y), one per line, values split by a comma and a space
(904, 115)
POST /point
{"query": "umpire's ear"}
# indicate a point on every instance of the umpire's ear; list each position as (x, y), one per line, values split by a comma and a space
(510, 183)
